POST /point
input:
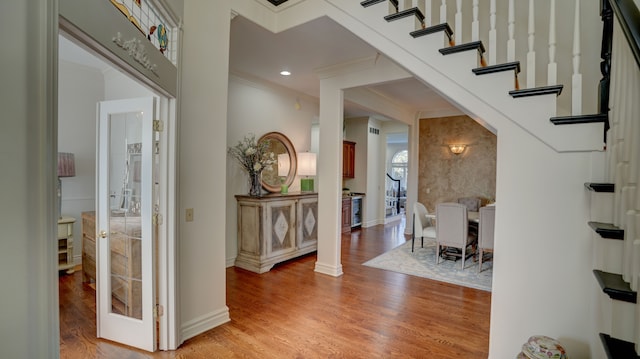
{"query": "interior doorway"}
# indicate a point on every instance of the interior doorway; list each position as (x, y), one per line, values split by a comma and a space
(84, 79)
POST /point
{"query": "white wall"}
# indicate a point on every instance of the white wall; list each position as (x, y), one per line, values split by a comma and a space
(257, 108)
(201, 170)
(28, 328)
(79, 89)
(376, 147)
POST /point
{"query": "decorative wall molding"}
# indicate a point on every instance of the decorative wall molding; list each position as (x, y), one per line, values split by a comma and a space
(136, 50)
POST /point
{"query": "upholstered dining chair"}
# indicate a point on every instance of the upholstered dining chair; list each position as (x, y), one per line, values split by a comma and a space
(472, 203)
(452, 229)
(485, 232)
(422, 226)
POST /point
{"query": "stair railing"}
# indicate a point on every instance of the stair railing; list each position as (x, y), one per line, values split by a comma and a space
(483, 20)
(619, 94)
(396, 191)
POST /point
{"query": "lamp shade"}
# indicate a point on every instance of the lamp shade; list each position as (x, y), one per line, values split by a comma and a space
(307, 164)
(284, 164)
(66, 164)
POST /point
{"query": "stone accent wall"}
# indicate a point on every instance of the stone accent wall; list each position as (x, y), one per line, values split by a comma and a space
(444, 176)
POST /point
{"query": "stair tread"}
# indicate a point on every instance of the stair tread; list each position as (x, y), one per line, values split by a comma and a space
(475, 45)
(607, 230)
(600, 187)
(433, 29)
(509, 66)
(535, 91)
(277, 2)
(616, 348)
(614, 286)
(569, 120)
(414, 11)
(367, 3)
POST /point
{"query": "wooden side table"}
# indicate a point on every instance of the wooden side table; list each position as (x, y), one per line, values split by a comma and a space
(65, 244)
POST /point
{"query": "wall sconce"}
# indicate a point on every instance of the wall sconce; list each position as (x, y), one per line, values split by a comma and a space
(66, 168)
(306, 167)
(284, 165)
(457, 149)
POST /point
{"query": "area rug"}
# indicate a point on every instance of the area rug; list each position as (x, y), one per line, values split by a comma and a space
(422, 263)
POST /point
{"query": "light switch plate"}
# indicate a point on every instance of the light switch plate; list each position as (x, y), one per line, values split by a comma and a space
(188, 215)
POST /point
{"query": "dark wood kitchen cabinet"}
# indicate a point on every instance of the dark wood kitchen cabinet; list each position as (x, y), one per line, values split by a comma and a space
(348, 159)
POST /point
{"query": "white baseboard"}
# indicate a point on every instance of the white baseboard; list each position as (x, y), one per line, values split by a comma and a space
(230, 262)
(334, 271)
(203, 323)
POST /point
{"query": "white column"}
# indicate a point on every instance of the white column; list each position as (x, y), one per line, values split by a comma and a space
(443, 11)
(531, 55)
(511, 43)
(552, 68)
(576, 79)
(330, 179)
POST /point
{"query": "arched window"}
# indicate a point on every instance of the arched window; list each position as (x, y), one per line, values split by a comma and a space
(399, 167)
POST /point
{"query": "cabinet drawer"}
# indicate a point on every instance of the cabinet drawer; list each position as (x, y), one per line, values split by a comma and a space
(64, 231)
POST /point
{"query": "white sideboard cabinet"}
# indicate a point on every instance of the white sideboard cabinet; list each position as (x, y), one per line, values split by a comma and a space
(65, 244)
(274, 228)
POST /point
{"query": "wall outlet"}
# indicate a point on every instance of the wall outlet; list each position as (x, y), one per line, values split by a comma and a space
(188, 216)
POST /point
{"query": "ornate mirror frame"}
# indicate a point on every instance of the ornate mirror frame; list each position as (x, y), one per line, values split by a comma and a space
(279, 143)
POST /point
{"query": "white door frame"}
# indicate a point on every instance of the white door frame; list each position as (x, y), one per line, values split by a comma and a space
(167, 290)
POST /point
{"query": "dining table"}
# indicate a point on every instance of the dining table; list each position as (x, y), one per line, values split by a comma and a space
(450, 253)
(472, 216)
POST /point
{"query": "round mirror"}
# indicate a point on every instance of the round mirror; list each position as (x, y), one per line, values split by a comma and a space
(279, 144)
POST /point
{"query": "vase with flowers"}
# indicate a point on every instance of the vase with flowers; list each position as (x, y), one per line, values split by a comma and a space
(254, 157)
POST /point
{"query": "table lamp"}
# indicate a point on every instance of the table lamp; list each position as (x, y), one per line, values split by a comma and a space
(66, 168)
(306, 167)
(284, 166)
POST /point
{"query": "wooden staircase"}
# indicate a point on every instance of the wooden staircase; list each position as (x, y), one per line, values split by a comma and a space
(614, 207)
(533, 115)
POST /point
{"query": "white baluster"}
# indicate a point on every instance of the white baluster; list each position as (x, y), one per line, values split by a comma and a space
(576, 79)
(511, 43)
(475, 25)
(457, 34)
(531, 55)
(492, 33)
(427, 13)
(443, 12)
(552, 68)
(416, 4)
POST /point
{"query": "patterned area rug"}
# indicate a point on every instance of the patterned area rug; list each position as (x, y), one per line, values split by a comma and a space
(422, 263)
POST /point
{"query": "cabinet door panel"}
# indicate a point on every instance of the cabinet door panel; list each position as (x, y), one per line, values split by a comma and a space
(307, 222)
(282, 218)
(249, 217)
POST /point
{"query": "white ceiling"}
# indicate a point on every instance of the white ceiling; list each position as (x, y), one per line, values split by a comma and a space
(315, 45)
(259, 53)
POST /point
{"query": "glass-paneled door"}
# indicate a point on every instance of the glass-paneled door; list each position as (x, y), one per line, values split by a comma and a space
(126, 205)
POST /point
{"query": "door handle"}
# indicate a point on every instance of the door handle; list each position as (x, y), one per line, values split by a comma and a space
(103, 234)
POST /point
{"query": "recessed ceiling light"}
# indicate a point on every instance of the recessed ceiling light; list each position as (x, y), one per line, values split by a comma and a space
(285, 73)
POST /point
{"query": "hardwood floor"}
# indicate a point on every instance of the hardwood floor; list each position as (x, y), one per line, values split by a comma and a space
(293, 312)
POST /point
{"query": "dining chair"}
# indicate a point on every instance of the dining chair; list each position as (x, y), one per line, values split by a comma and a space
(422, 226)
(452, 229)
(472, 203)
(485, 232)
